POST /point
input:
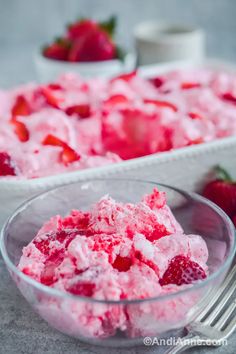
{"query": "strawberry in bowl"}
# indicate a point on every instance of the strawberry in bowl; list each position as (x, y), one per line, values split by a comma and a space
(88, 48)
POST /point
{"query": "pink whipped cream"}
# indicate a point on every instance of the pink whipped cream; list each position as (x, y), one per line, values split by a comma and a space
(74, 124)
(116, 251)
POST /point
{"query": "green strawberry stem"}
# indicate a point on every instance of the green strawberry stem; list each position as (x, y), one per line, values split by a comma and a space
(109, 26)
(223, 174)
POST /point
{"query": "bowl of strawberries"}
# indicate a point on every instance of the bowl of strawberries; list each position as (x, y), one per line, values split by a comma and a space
(88, 48)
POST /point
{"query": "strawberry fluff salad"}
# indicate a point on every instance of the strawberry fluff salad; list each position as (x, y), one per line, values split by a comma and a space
(116, 251)
(73, 124)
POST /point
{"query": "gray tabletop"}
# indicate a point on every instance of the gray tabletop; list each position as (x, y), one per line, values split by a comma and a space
(24, 332)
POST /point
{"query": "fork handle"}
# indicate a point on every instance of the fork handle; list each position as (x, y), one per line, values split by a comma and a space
(189, 341)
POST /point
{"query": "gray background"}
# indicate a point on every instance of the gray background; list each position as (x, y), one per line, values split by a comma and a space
(24, 25)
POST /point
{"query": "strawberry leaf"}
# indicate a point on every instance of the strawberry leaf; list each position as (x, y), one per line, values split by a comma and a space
(222, 174)
(109, 26)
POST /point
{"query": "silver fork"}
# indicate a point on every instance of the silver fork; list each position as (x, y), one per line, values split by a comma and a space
(216, 322)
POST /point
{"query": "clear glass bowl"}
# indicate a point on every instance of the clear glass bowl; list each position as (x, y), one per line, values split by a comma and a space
(139, 318)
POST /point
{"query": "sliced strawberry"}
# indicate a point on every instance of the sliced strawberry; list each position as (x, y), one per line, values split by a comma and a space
(55, 87)
(43, 246)
(20, 130)
(68, 155)
(222, 191)
(162, 104)
(182, 270)
(7, 166)
(81, 28)
(125, 77)
(157, 81)
(122, 264)
(21, 107)
(116, 100)
(58, 50)
(196, 141)
(82, 110)
(229, 97)
(140, 257)
(51, 264)
(95, 46)
(27, 271)
(53, 140)
(76, 220)
(159, 231)
(50, 97)
(190, 85)
(82, 288)
(194, 115)
(48, 275)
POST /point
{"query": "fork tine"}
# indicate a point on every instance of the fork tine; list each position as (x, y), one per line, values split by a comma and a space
(220, 306)
(224, 318)
(230, 327)
(218, 293)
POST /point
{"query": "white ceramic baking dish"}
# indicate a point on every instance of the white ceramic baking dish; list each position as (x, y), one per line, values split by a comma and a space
(185, 167)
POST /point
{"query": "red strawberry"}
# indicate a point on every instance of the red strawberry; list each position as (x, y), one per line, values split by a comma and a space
(52, 262)
(95, 46)
(43, 245)
(50, 97)
(20, 130)
(58, 50)
(7, 166)
(115, 100)
(53, 140)
(229, 97)
(122, 264)
(125, 77)
(21, 107)
(182, 270)
(67, 155)
(157, 81)
(77, 220)
(80, 28)
(55, 87)
(190, 85)
(82, 288)
(82, 110)
(222, 191)
(161, 104)
(60, 235)
(194, 115)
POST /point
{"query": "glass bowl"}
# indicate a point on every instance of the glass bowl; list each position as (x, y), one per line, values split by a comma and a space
(99, 321)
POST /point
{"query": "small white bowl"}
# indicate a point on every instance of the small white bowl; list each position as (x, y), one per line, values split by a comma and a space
(49, 69)
(164, 42)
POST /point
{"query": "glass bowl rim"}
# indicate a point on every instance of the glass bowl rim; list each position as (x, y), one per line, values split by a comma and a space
(61, 294)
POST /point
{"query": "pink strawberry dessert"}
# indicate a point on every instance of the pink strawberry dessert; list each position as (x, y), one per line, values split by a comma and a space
(117, 251)
(73, 123)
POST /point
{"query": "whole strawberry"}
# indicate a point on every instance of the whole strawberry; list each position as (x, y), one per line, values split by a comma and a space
(58, 50)
(96, 45)
(182, 270)
(80, 28)
(222, 191)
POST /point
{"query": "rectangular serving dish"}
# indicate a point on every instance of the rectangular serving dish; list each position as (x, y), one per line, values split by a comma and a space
(186, 168)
